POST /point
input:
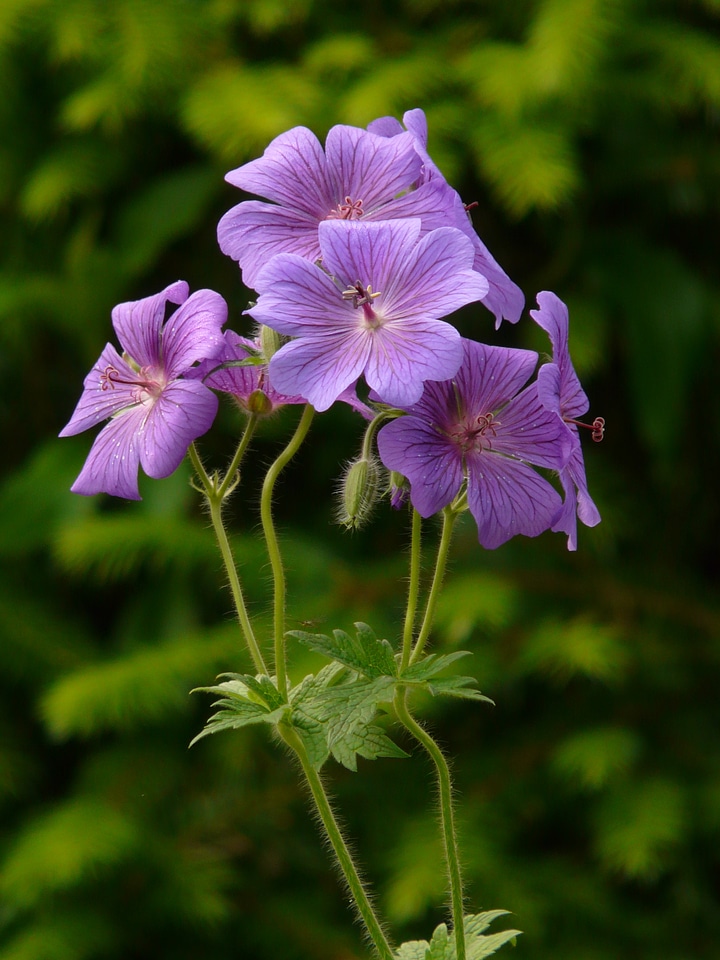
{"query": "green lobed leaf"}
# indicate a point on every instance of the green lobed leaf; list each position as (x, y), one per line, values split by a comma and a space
(347, 707)
(457, 687)
(337, 719)
(431, 665)
(235, 715)
(262, 686)
(442, 944)
(245, 700)
(369, 742)
(413, 950)
(363, 652)
(479, 945)
(310, 729)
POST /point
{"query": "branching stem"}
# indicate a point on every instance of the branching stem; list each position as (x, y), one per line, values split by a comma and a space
(214, 501)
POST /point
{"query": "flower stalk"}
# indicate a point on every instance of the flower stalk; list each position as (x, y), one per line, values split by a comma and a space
(447, 817)
(215, 501)
(339, 846)
(273, 546)
(449, 517)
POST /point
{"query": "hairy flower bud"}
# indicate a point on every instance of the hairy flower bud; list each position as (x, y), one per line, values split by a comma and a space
(358, 492)
(259, 403)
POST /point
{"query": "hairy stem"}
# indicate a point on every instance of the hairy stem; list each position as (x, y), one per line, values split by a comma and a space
(214, 501)
(274, 548)
(413, 588)
(449, 516)
(447, 817)
(338, 844)
(228, 481)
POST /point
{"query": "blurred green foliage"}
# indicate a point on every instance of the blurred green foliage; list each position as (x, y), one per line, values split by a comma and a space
(587, 130)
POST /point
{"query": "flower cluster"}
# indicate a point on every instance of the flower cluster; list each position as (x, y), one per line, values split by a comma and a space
(358, 251)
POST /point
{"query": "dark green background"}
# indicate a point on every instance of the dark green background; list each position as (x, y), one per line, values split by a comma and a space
(587, 130)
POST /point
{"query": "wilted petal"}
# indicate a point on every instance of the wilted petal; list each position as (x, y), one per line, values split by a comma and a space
(578, 502)
(138, 323)
(504, 297)
(549, 385)
(553, 318)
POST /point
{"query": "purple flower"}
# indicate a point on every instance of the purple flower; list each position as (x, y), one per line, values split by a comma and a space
(482, 428)
(372, 309)
(415, 122)
(249, 385)
(359, 176)
(504, 298)
(560, 391)
(153, 414)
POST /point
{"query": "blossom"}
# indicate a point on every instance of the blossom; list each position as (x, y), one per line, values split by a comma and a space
(504, 298)
(359, 176)
(481, 428)
(373, 309)
(249, 384)
(560, 391)
(153, 413)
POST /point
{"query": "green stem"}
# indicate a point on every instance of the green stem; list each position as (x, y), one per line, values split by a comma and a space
(229, 479)
(449, 516)
(274, 548)
(215, 504)
(446, 815)
(413, 588)
(340, 848)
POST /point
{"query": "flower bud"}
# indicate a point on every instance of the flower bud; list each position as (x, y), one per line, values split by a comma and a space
(399, 490)
(358, 489)
(259, 403)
